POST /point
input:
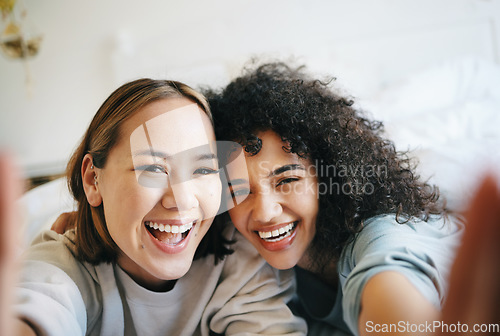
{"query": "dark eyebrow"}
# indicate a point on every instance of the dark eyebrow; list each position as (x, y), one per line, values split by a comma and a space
(285, 168)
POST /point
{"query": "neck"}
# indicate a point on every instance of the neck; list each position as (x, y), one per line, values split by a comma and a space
(326, 272)
(144, 279)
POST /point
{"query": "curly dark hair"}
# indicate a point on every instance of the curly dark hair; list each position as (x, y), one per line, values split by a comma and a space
(348, 149)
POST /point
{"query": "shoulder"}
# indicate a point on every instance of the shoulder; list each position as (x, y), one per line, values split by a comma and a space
(55, 286)
(52, 248)
(249, 285)
(51, 260)
(421, 251)
(418, 249)
(53, 239)
(58, 250)
(245, 265)
(244, 258)
(384, 232)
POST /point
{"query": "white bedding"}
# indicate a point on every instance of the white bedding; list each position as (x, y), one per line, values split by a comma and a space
(449, 115)
(42, 205)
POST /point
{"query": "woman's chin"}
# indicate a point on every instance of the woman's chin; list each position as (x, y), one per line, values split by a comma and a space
(174, 270)
(282, 262)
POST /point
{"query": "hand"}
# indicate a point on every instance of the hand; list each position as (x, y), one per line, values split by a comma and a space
(64, 222)
(474, 296)
(10, 190)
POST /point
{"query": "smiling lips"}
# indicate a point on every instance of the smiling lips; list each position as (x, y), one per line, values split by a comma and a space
(167, 233)
(277, 234)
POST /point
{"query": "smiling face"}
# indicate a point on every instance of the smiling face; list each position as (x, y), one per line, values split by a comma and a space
(278, 215)
(160, 189)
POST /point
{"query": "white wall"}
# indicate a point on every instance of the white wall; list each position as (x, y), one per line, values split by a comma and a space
(90, 47)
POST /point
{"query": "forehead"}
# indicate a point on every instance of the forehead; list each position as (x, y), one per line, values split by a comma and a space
(173, 125)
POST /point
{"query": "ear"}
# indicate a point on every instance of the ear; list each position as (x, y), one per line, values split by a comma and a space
(89, 179)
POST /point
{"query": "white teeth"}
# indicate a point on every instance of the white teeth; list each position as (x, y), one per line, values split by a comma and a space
(267, 234)
(170, 228)
(275, 233)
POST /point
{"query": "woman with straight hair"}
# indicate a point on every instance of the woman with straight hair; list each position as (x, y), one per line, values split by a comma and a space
(144, 256)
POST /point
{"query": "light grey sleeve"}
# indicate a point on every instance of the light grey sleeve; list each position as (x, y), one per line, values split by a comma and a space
(252, 298)
(46, 295)
(422, 251)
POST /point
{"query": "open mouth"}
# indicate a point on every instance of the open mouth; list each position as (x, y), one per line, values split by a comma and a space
(278, 234)
(169, 234)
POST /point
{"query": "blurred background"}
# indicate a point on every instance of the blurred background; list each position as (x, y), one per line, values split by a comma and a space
(435, 62)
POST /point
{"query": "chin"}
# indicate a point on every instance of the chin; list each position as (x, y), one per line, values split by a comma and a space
(282, 262)
(173, 270)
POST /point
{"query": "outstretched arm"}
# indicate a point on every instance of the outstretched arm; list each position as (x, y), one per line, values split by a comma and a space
(389, 298)
(9, 191)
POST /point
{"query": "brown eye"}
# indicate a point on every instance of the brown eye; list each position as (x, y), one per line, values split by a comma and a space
(206, 171)
(152, 169)
(152, 176)
(287, 181)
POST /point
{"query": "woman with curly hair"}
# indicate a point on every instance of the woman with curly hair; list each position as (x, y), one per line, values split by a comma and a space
(327, 194)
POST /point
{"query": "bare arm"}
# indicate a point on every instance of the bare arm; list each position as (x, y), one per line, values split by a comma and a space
(389, 299)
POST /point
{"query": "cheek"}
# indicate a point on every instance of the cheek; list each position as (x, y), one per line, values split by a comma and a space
(236, 214)
(143, 196)
(306, 194)
(209, 196)
(133, 203)
(309, 202)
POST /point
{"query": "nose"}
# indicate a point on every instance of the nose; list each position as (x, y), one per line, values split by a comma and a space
(180, 196)
(266, 207)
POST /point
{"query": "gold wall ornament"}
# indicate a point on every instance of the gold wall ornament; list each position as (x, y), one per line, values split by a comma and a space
(18, 39)
(6, 6)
